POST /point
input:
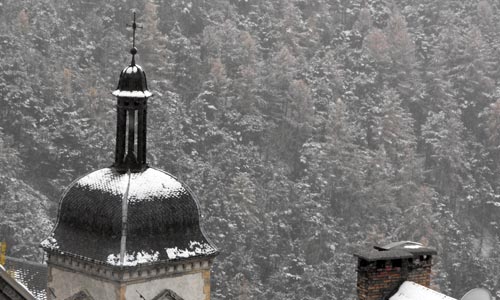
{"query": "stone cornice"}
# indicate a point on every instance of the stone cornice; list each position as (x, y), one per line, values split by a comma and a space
(125, 274)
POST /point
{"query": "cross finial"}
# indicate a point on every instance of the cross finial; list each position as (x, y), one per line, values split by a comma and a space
(133, 51)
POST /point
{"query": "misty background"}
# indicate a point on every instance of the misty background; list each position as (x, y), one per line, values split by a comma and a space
(306, 128)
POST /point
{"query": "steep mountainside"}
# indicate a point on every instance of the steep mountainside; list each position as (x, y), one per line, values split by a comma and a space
(304, 127)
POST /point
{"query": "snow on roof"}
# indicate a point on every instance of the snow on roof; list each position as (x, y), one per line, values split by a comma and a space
(132, 94)
(148, 184)
(194, 249)
(30, 274)
(162, 221)
(19, 289)
(412, 291)
(154, 183)
(395, 250)
(142, 257)
(403, 245)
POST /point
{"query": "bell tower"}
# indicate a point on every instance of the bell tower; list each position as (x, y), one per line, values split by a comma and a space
(129, 231)
(132, 100)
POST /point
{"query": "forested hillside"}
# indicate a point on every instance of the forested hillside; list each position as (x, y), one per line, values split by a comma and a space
(305, 127)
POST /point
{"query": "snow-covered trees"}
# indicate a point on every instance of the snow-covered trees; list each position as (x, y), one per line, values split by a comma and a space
(305, 127)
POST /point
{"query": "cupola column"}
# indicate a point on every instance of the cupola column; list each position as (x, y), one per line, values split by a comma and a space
(141, 133)
(131, 127)
(120, 134)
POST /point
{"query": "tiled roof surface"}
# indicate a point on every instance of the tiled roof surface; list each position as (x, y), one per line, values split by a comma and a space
(10, 289)
(162, 219)
(31, 274)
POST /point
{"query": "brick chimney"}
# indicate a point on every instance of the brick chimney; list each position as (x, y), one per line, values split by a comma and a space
(381, 270)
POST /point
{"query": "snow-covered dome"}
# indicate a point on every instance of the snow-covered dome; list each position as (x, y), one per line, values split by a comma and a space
(129, 213)
(142, 217)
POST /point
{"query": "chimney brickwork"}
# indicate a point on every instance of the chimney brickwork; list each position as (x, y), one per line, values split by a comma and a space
(381, 271)
(421, 270)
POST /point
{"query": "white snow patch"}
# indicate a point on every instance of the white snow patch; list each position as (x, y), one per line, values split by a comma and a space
(149, 184)
(132, 94)
(153, 183)
(412, 291)
(133, 259)
(105, 179)
(131, 70)
(412, 246)
(50, 243)
(194, 249)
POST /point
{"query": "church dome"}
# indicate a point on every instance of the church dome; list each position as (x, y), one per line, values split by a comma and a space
(129, 214)
(143, 218)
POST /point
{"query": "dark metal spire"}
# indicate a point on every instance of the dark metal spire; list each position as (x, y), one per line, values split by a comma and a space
(133, 51)
(132, 94)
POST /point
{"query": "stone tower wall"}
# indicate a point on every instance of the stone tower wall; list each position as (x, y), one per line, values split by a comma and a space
(68, 276)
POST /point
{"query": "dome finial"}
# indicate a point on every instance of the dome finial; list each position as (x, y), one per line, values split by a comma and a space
(133, 51)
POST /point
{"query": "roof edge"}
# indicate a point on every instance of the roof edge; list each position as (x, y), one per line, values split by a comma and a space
(175, 261)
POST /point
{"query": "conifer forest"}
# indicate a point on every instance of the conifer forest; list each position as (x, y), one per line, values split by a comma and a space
(306, 129)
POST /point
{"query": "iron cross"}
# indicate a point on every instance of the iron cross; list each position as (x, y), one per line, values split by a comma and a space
(134, 27)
